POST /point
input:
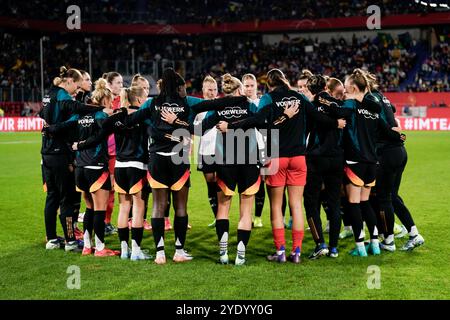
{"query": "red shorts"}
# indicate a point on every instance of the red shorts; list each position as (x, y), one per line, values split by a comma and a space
(291, 172)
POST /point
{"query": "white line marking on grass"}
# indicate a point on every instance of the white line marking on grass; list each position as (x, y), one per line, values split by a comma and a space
(18, 142)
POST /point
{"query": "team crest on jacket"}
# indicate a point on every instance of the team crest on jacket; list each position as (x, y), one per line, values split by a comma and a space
(233, 112)
(288, 102)
(170, 107)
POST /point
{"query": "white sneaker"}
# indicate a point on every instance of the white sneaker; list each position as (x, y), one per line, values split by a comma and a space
(388, 247)
(182, 257)
(224, 258)
(125, 255)
(402, 233)
(240, 260)
(53, 244)
(415, 242)
(140, 256)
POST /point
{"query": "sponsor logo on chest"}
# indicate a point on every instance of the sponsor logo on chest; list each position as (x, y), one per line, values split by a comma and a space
(86, 121)
(170, 107)
(233, 112)
(367, 114)
(288, 102)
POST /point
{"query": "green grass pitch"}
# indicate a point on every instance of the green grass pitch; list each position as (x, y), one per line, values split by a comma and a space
(28, 271)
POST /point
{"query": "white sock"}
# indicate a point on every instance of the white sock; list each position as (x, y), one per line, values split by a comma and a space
(87, 239)
(223, 243)
(160, 254)
(389, 239)
(360, 244)
(362, 235)
(375, 231)
(178, 244)
(414, 232)
(241, 249)
(124, 246)
(99, 246)
(135, 249)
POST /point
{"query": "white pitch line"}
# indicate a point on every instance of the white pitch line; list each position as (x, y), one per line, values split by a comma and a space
(18, 142)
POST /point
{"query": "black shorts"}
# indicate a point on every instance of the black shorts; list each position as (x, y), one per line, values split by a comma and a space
(129, 180)
(164, 174)
(246, 177)
(361, 174)
(205, 167)
(91, 180)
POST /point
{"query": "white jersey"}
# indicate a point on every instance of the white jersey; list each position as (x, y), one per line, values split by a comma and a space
(259, 136)
(208, 140)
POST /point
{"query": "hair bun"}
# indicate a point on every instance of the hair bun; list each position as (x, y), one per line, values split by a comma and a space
(63, 72)
(227, 78)
(100, 84)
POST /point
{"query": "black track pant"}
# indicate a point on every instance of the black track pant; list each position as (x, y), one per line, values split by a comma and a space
(392, 163)
(327, 170)
(60, 186)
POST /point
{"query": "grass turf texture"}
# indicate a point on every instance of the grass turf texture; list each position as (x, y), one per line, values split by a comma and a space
(28, 271)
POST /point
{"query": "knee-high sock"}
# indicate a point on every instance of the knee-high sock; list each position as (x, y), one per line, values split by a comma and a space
(180, 228)
(99, 229)
(354, 212)
(370, 218)
(223, 231)
(243, 236)
(158, 233)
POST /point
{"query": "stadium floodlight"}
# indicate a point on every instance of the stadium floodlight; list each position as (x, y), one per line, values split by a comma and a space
(41, 48)
(131, 42)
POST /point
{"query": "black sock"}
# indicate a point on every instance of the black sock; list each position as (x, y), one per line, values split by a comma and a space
(222, 226)
(354, 212)
(260, 196)
(88, 221)
(212, 196)
(244, 236)
(99, 224)
(124, 234)
(180, 227)
(158, 232)
(370, 218)
(344, 212)
(137, 234)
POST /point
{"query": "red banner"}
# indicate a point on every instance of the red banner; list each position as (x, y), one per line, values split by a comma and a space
(249, 26)
(425, 124)
(20, 124)
(418, 99)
